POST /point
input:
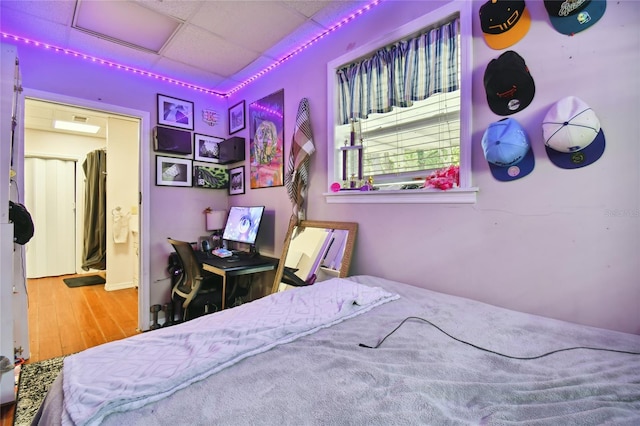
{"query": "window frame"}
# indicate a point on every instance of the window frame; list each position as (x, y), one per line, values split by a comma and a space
(466, 193)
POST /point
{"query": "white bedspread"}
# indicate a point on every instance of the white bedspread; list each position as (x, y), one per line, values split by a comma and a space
(130, 373)
(418, 376)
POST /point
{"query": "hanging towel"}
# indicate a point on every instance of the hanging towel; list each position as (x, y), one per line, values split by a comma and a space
(120, 226)
(297, 176)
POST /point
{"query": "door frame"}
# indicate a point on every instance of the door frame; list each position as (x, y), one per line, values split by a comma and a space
(144, 176)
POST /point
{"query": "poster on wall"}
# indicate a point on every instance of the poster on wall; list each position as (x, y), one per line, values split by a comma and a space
(266, 143)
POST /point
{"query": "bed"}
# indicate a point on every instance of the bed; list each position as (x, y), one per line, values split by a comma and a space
(310, 356)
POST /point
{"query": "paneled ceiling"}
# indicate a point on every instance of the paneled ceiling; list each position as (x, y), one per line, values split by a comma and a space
(214, 44)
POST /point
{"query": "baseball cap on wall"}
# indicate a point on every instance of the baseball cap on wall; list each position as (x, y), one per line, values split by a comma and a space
(507, 149)
(504, 22)
(572, 134)
(572, 16)
(508, 84)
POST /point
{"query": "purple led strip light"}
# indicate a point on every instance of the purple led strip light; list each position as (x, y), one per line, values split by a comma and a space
(109, 63)
(189, 85)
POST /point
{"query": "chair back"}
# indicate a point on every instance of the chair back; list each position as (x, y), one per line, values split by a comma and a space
(190, 265)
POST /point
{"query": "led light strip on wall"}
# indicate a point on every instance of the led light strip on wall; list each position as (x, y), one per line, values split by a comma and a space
(170, 80)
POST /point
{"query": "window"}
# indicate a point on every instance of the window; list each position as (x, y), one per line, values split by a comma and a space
(397, 127)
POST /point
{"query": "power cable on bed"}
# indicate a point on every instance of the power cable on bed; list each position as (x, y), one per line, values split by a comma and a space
(489, 350)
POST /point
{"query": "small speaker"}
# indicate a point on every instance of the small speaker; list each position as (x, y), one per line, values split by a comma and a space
(231, 150)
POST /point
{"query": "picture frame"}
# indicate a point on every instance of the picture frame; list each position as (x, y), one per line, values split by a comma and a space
(173, 171)
(237, 119)
(236, 180)
(210, 177)
(175, 112)
(206, 148)
(266, 141)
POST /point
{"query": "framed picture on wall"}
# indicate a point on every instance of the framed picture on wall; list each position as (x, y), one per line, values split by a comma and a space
(266, 143)
(237, 120)
(236, 180)
(175, 112)
(206, 148)
(212, 177)
(171, 171)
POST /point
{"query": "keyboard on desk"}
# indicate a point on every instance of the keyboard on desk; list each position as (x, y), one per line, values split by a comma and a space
(236, 260)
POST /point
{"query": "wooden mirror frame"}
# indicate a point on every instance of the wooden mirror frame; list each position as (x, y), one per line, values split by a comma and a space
(352, 227)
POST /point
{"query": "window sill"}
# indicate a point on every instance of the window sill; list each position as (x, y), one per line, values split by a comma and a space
(404, 196)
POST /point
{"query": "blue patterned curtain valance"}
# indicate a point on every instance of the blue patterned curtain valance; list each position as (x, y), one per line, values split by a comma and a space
(401, 73)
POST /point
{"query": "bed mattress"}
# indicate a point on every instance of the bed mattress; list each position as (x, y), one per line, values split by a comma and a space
(462, 367)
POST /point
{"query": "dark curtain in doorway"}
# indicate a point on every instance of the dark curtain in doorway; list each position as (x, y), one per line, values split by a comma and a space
(94, 252)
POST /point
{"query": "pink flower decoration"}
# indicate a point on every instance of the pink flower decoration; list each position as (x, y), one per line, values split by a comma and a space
(444, 179)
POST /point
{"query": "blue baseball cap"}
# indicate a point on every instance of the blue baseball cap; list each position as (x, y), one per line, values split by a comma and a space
(507, 149)
(572, 16)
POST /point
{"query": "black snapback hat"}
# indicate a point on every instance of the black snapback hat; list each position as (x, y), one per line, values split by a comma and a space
(504, 22)
(508, 84)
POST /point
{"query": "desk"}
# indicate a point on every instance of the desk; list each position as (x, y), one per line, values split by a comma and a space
(226, 268)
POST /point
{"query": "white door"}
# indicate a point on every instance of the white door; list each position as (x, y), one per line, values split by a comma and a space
(50, 198)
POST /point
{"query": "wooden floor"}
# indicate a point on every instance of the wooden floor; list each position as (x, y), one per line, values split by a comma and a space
(65, 320)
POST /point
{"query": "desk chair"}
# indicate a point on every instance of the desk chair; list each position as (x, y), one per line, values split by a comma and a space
(198, 291)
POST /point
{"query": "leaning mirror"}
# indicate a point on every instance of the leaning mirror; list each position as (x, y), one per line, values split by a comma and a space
(315, 251)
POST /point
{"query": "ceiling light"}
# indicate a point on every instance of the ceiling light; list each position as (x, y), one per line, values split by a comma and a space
(75, 127)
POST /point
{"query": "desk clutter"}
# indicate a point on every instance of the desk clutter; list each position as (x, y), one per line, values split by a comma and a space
(222, 252)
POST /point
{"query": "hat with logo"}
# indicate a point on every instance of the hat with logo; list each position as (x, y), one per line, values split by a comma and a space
(504, 22)
(572, 134)
(507, 149)
(572, 16)
(508, 83)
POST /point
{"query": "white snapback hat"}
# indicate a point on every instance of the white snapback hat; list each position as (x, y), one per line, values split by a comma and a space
(572, 134)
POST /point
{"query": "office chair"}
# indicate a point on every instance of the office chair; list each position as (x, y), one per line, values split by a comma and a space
(198, 292)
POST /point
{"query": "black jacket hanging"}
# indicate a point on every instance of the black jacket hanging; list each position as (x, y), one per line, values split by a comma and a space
(23, 228)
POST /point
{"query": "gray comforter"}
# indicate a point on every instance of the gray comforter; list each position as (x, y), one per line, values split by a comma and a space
(418, 375)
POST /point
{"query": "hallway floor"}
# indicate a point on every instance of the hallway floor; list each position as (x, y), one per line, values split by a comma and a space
(65, 320)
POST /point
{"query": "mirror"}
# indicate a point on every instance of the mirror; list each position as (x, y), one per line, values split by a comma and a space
(315, 251)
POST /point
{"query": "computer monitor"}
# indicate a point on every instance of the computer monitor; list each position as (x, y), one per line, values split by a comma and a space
(243, 224)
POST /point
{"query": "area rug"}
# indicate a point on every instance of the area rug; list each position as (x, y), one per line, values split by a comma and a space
(35, 380)
(84, 280)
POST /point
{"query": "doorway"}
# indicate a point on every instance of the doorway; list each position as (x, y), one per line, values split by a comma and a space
(140, 120)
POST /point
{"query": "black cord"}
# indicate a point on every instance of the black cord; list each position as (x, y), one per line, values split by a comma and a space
(489, 350)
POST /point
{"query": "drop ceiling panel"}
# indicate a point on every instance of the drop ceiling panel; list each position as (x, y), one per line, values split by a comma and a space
(188, 73)
(60, 12)
(182, 10)
(127, 22)
(197, 47)
(307, 8)
(33, 27)
(253, 24)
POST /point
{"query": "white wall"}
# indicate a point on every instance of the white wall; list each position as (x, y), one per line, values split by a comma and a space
(122, 195)
(558, 243)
